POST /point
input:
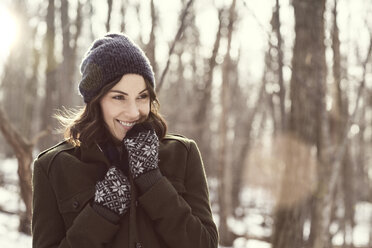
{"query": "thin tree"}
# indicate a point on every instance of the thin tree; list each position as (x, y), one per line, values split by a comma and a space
(151, 45)
(339, 116)
(225, 168)
(51, 94)
(69, 51)
(276, 24)
(109, 11)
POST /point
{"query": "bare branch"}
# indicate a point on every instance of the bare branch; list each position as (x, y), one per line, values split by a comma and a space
(341, 149)
(178, 35)
(263, 28)
(13, 137)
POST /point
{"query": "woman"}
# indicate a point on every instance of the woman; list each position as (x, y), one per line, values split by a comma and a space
(118, 180)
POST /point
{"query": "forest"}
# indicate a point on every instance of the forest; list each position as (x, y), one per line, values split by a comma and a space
(276, 93)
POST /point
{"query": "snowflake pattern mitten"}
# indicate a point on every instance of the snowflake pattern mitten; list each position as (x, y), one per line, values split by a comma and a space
(113, 192)
(142, 145)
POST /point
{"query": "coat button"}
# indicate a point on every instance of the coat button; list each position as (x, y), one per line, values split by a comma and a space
(75, 204)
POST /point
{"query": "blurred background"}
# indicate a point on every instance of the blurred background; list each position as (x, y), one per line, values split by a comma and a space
(277, 94)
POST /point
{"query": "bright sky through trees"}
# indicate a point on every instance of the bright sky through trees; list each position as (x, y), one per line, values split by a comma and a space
(9, 28)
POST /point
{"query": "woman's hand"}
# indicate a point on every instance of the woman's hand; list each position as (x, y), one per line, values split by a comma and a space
(142, 145)
(113, 194)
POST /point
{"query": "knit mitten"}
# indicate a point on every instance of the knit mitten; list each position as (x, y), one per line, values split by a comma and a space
(142, 145)
(112, 196)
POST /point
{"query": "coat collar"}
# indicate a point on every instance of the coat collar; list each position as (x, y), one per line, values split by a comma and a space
(92, 153)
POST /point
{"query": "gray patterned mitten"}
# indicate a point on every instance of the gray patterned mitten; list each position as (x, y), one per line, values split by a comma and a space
(113, 194)
(142, 145)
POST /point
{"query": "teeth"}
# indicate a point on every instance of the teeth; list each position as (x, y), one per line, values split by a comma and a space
(127, 124)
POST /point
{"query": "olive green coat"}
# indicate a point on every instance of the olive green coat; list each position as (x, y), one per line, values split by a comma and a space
(175, 212)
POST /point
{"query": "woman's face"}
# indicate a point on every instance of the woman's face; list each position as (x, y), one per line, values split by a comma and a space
(125, 104)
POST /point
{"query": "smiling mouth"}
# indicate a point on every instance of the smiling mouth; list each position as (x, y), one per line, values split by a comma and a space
(127, 124)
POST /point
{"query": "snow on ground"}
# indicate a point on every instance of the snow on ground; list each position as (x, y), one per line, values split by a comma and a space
(10, 201)
(9, 236)
(363, 218)
(256, 220)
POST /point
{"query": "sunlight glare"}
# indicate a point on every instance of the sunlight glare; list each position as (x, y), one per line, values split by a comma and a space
(8, 27)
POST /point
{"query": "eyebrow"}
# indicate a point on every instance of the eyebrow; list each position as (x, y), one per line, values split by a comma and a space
(122, 92)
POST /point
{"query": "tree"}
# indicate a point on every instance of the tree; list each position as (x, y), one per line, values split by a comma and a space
(23, 151)
(307, 124)
(66, 70)
(224, 167)
(276, 24)
(51, 94)
(20, 95)
(338, 118)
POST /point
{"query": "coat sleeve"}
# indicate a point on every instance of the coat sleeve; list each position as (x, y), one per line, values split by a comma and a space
(183, 221)
(48, 229)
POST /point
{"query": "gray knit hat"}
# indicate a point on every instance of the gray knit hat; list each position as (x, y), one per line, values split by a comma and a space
(107, 60)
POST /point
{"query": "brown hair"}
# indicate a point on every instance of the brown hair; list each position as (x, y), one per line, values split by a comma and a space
(87, 124)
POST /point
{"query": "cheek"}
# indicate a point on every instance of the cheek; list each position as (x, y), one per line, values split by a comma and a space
(105, 111)
(145, 109)
(108, 112)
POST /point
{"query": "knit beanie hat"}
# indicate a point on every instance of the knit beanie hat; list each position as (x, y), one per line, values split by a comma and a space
(107, 60)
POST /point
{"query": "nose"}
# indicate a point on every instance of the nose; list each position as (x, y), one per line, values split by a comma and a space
(132, 111)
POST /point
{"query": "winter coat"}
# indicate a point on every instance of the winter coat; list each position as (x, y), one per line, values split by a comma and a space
(174, 212)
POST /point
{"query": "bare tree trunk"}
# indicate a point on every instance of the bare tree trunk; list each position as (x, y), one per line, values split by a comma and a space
(203, 92)
(109, 11)
(51, 94)
(122, 13)
(90, 15)
(242, 144)
(269, 98)
(150, 48)
(306, 126)
(31, 93)
(69, 50)
(224, 175)
(340, 116)
(322, 198)
(23, 151)
(78, 25)
(276, 27)
(224, 167)
(66, 69)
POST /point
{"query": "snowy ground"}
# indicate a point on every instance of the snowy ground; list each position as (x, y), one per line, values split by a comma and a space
(255, 223)
(10, 201)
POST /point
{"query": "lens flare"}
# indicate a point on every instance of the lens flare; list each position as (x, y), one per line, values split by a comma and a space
(8, 27)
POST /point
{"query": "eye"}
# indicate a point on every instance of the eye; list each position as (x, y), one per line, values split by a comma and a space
(118, 97)
(143, 96)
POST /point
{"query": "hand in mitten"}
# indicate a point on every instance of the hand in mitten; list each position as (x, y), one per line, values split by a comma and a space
(142, 145)
(112, 196)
